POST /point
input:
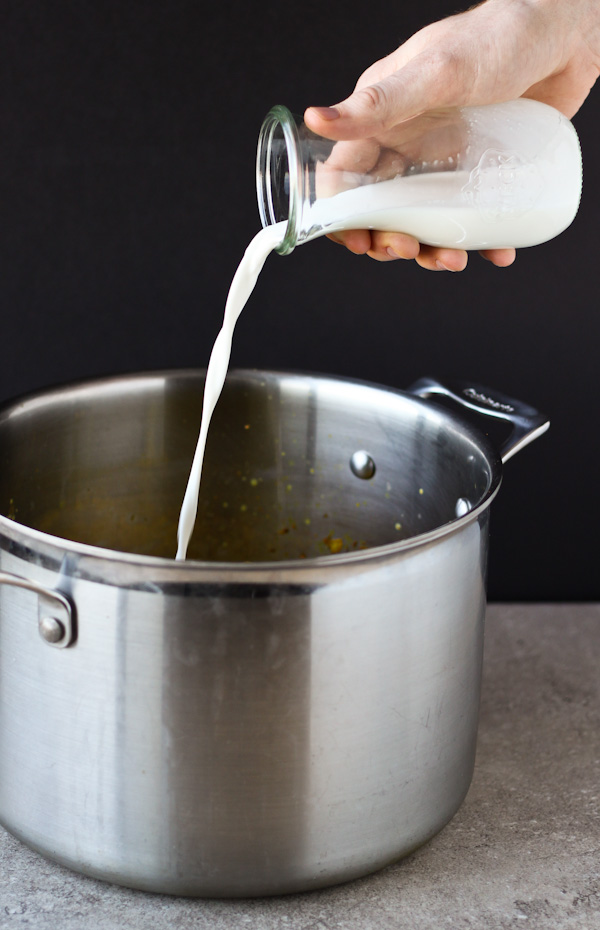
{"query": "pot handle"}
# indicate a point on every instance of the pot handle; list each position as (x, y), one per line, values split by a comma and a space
(56, 614)
(527, 423)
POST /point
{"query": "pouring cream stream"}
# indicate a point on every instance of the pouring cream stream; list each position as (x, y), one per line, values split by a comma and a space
(241, 287)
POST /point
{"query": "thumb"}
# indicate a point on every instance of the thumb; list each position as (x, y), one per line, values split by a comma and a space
(376, 108)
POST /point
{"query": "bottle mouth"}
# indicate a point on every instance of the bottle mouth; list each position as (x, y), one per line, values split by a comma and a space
(279, 175)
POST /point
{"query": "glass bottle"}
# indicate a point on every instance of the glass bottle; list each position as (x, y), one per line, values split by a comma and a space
(496, 176)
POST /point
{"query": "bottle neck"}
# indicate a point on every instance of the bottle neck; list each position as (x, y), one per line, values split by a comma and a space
(280, 174)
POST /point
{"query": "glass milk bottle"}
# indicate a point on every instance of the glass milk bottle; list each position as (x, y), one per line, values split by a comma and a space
(504, 175)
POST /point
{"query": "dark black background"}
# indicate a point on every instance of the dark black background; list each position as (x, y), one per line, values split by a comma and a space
(127, 147)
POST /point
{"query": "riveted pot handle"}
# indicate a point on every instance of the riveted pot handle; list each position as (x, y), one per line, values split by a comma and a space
(56, 614)
(527, 423)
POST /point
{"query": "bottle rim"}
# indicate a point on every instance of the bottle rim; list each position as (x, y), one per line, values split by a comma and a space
(279, 116)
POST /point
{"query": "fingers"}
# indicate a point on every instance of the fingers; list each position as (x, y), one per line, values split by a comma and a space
(378, 107)
(383, 247)
(502, 258)
(344, 168)
(386, 247)
(435, 259)
(357, 241)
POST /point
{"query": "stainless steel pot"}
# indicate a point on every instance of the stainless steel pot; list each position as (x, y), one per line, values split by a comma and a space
(294, 707)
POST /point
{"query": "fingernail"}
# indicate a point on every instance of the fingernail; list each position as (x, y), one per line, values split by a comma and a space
(326, 112)
(440, 265)
(391, 253)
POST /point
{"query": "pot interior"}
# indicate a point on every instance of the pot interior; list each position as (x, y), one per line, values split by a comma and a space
(105, 463)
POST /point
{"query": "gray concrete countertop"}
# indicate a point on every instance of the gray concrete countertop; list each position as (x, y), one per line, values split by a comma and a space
(523, 850)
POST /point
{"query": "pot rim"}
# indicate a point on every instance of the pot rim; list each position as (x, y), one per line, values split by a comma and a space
(50, 549)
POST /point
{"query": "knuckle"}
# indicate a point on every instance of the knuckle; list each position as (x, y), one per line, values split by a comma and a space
(373, 97)
(373, 102)
(445, 62)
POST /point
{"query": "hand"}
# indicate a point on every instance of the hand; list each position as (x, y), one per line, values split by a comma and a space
(548, 50)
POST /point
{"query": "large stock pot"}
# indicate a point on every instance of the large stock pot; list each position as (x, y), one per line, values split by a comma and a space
(294, 706)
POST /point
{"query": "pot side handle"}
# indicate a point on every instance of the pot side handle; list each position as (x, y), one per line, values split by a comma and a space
(56, 614)
(527, 423)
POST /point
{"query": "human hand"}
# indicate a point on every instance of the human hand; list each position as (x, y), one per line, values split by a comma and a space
(548, 50)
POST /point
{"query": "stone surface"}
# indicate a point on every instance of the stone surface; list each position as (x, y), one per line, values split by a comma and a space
(523, 851)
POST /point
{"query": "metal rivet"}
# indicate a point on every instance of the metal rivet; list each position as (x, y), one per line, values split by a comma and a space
(51, 630)
(362, 464)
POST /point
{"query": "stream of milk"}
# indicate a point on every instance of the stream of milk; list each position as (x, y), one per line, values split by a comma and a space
(453, 209)
(241, 287)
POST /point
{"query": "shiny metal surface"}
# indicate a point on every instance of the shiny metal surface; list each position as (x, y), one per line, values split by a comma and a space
(526, 422)
(56, 621)
(241, 727)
